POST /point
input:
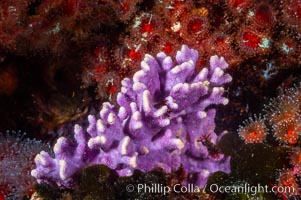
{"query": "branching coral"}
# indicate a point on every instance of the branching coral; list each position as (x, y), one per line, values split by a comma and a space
(163, 121)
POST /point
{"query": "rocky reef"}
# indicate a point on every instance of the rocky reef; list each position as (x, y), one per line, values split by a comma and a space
(63, 61)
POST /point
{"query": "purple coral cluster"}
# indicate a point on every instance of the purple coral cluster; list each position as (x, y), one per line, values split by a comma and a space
(163, 121)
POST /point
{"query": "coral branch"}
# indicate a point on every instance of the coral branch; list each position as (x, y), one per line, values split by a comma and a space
(160, 122)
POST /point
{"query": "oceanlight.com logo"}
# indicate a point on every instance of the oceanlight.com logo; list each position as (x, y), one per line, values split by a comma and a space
(156, 188)
(248, 189)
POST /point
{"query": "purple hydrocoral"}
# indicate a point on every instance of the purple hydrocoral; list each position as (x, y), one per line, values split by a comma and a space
(162, 121)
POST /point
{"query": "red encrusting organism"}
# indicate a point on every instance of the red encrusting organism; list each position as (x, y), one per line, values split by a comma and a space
(174, 9)
(194, 27)
(237, 30)
(52, 28)
(239, 6)
(96, 64)
(145, 25)
(162, 43)
(253, 130)
(282, 116)
(290, 47)
(125, 9)
(55, 31)
(221, 44)
(252, 42)
(295, 161)
(283, 108)
(287, 131)
(287, 183)
(262, 16)
(291, 12)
